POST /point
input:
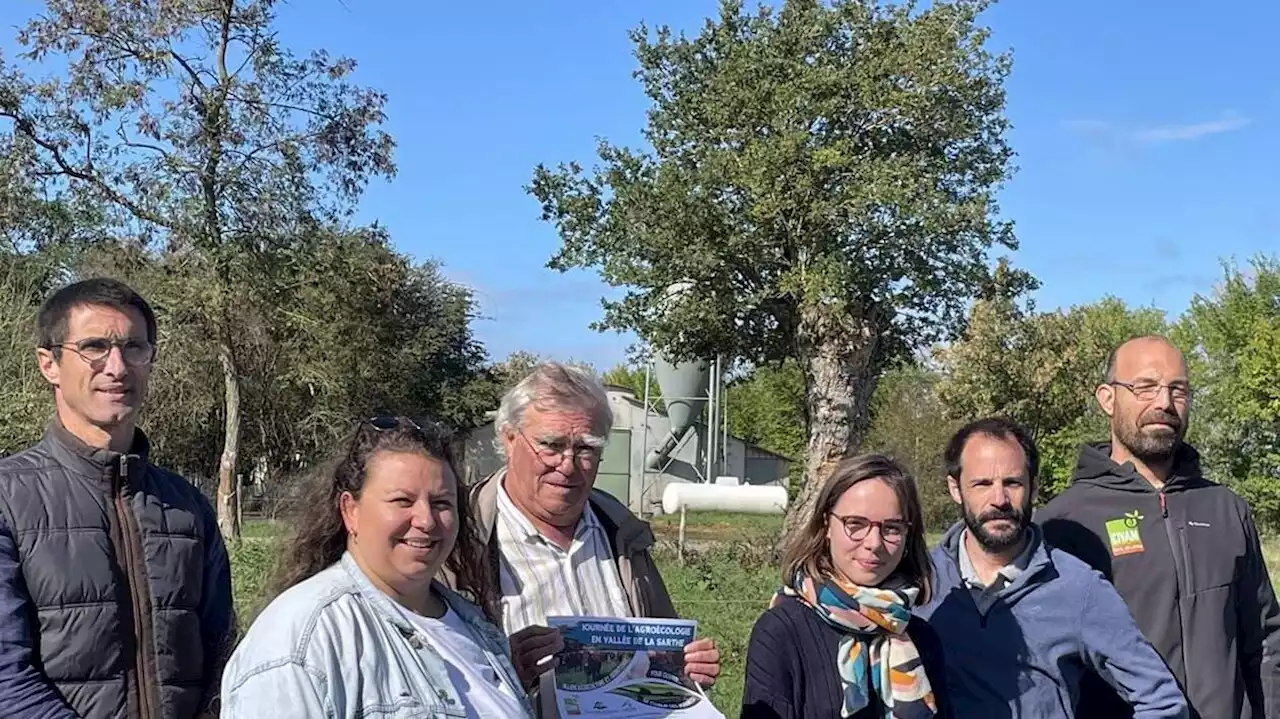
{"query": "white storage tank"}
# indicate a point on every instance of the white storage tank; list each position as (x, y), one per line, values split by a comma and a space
(745, 498)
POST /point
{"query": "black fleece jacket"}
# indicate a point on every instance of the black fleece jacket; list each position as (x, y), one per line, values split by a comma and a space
(1188, 562)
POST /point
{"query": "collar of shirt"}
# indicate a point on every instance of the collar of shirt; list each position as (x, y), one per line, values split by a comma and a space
(1004, 576)
(520, 526)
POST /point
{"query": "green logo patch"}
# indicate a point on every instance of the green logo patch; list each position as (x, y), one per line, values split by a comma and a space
(1124, 535)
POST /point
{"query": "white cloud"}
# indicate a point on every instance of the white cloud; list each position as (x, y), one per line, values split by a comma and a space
(1110, 134)
(1192, 131)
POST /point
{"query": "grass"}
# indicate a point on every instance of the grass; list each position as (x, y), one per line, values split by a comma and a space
(725, 589)
(725, 586)
(719, 526)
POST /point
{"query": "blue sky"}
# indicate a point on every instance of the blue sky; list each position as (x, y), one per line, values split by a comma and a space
(1146, 137)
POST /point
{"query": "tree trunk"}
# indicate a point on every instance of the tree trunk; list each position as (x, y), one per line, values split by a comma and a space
(837, 354)
(228, 485)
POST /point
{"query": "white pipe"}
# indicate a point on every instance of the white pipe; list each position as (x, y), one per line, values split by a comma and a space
(747, 498)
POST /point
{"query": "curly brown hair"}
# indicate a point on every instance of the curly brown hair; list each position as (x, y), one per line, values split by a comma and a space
(321, 535)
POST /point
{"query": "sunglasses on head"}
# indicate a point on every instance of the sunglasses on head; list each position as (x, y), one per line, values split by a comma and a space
(386, 423)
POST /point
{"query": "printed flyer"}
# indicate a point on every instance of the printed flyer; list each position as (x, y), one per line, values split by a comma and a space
(631, 668)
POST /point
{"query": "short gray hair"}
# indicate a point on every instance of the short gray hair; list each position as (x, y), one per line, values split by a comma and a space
(552, 385)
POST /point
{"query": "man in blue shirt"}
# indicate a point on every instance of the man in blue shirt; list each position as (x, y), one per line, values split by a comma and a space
(1021, 622)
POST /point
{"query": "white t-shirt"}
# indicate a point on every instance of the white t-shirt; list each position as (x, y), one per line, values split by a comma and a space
(483, 692)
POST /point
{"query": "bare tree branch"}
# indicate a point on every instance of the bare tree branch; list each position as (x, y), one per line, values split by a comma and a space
(27, 129)
(124, 138)
(195, 76)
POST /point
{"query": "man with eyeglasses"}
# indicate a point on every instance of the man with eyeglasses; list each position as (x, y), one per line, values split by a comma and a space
(1183, 551)
(559, 546)
(115, 586)
(1021, 622)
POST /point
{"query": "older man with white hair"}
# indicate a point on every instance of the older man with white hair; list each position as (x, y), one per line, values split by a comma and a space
(560, 546)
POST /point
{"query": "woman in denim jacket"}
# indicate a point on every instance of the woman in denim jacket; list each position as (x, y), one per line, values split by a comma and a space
(362, 627)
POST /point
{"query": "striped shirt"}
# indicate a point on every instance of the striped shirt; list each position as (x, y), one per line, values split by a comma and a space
(540, 580)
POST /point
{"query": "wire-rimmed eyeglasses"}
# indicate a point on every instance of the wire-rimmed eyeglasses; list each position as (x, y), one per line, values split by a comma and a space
(95, 350)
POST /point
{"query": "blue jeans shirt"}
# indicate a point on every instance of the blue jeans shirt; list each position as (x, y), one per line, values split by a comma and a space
(335, 646)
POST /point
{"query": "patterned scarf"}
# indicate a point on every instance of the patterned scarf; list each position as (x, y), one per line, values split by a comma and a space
(875, 652)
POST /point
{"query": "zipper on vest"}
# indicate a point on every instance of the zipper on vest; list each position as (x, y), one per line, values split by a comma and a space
(130, 570)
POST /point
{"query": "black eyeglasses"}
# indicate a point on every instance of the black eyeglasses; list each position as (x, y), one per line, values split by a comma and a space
(95, 350)
(892, 531)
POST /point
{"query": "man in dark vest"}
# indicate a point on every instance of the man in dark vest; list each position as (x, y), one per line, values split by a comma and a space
(115, 587)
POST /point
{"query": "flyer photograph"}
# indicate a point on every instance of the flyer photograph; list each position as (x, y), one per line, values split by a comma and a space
(631, 668)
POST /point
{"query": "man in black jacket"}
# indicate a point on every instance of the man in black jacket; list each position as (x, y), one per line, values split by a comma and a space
(115, 587)
(1181, 550)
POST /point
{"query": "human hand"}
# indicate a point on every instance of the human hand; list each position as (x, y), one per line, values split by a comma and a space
(533, 651)
(702, 662)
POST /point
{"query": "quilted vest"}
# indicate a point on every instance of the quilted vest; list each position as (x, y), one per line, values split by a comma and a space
(112, 553)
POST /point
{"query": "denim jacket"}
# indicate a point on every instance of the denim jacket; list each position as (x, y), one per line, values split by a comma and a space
(335, 646)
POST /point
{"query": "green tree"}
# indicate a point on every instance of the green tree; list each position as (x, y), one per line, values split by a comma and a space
(1040, 369)
(1233, 338)
(633, 378)
(820, 180)
(367, 329)
(191, 121)
(514, 368)
(24, 281)
(361, 328)
(766, 408)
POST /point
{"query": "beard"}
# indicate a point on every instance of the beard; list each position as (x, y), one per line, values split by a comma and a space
(1148, 441)
(996, 541)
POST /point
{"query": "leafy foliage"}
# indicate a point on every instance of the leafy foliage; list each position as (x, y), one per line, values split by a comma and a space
(910, 423)
(198, 132)
(633, 378)
(821, 182)
(361, 329)
(766, 408)
(1040, 369)
(24, 281)
(1234, 338)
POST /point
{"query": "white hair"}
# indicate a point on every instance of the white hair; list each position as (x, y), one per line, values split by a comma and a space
(556, 386)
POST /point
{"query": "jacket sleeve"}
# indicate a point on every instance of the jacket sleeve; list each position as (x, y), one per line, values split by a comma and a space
(24, 688)
(768, 686)
(1259, 628)
(285, 689)
(217, 608)
(1116, 649)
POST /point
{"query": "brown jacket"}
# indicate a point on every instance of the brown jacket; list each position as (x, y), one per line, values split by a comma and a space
(630, 540)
